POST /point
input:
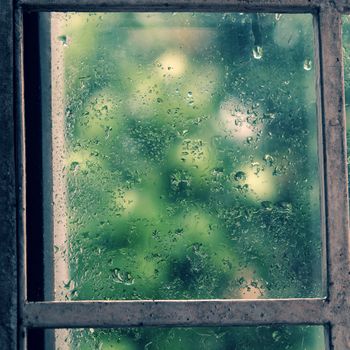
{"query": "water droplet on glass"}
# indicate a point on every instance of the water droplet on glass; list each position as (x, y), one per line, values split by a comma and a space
(307, 64)
(74, 166)
(108, 129)
(64, 40)
(122, 277)
(267, 205)
(269, 116)
(67, 284)
(278, 16)
(238, 122)
(189, 94)
(286, 206)
(277, 171)
(257, 52)
(240, 176)
(268, 159)
(276, 336)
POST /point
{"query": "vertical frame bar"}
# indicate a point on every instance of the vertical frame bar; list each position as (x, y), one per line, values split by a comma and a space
(336, 191)
(8, 256)
(20, 155)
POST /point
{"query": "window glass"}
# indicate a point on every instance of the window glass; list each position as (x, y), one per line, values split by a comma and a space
(241, 338)
(185, 159)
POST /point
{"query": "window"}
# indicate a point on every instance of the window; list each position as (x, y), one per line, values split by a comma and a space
(20, 142)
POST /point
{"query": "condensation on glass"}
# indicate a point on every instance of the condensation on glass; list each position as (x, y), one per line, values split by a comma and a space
(185, 161)
(203, 338)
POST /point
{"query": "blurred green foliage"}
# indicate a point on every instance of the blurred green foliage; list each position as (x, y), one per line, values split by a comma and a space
(215, 338)
(191, 163)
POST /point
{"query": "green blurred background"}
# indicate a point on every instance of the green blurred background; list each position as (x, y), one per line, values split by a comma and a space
(191, 167)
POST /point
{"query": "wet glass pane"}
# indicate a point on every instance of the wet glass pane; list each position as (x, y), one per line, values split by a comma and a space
(185, 156)
(241, 338)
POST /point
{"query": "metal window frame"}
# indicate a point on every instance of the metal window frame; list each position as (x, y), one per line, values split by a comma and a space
(334, 311)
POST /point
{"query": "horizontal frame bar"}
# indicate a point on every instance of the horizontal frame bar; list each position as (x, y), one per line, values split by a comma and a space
(344, 6)
(216, 312)
(174, 5)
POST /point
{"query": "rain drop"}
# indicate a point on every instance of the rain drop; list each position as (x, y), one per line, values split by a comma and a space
(74, 166)
(278, 16)
(122, 277)
(64, 40)
(267, 205)
(268, 159)
(240, 176)
(249, 139)
(257, 52)
(307, 64)
(276, 336)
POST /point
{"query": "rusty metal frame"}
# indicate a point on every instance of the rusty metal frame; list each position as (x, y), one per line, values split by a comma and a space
(332, 311)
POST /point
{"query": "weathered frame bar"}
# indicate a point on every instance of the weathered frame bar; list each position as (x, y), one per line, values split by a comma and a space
(176, 313)
(21, 168)
(334, 310)
(336, 175)
(8, 217)
(174, 5)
